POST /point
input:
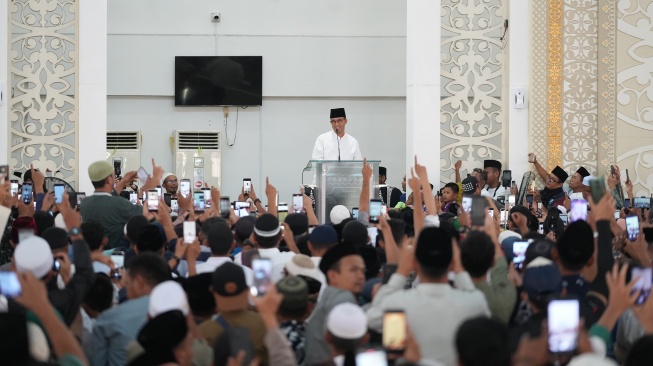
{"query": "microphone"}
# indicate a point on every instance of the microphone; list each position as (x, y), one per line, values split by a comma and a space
(338, 138)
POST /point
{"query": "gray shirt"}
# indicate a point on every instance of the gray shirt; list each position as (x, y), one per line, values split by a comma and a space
(112, 212)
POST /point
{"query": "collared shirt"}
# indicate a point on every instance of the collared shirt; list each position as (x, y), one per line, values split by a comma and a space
(212, 263)
(500, 191)
(434, 312)
(115, 328)
(277, 257)
(326, 147)
(112, 212)
(500, 293)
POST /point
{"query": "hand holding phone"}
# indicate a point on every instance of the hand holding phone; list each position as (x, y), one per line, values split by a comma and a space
(153, 200)
(190, 233)
(632, 227)
(298, 203)
(225, 207)
(262, 268)
(375, 210)
(58, 193)
(10, 285)
(198, 202)
(184, 187)
(394, 331)
(247, 185)
(564, 321)
(27, 193)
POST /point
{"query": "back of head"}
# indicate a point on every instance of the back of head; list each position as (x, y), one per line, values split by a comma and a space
(295, 297)
(267, 231)
(43, 221)
(160, 336)
(483, 342)
(220, 239)
(243, 228)
(100, 295)
(200, 298)
(298, 223)
(355, 232)
(576, 246)
(398, 228)
(134, 227)
(347, 326)
(541, 282)
(57, 238)
(323, 237)
(149, 266)
(434, 252)
(477, 253)
(640, 352)
(210, 222)
(150, 239)
(93, 233)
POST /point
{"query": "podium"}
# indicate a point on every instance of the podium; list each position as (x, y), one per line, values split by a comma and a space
(331, 182)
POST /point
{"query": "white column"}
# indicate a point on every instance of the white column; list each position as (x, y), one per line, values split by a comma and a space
(423, 86)
(4, 81)
(518, 77)
(92, 92)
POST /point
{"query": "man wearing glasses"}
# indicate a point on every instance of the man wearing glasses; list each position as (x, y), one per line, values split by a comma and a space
(171, 184)
(552, 195)
(335, 144)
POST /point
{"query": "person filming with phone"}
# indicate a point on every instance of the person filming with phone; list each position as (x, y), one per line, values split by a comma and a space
(335, 144)
(552, 195)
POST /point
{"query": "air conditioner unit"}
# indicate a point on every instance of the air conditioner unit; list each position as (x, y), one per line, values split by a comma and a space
(126, 146)
(198, 157)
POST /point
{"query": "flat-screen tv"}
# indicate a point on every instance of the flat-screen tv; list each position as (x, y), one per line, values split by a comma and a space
(218, 80)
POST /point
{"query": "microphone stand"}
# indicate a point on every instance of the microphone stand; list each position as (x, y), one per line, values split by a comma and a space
(338, 139)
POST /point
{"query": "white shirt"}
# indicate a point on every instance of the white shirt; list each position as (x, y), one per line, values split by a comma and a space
(326, 147)
(277, 257)
(212, 263)
(494, 192)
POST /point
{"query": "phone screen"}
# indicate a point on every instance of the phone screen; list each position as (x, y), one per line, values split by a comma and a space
(375, 210)
(142, 175)
(632, 227)
(627, 203)
(503, 215)
(247, 185)
(519, 253)
(27, 193)
(511, 200)
(133, 198)
(597, 189)
(540, 228)
(564, 218)
(282, 214)
(58, 193)
(617, 214)
(14, 187)
(118, 259)
(467, 204)
(394, 331)
(372, 357)
(643, 285)
(354, 212)
(184, 187)
(563, 325)
(174, 206)
(9, 284)
(242, 208)
(159, 190)
(297, 203)
(153, 200)
(478, 211)
(189, 232)
(262, 268)
(224, 207)
(198, 201)
(80, 197)
(207, 197)
(578, 211)
(642, 202)
(529, 199)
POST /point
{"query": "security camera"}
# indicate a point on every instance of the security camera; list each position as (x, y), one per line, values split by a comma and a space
(215, 17)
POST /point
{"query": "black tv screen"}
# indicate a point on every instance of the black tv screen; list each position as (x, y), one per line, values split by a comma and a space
(218, 80)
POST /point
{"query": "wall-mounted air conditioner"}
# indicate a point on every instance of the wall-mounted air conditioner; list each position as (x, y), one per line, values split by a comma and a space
(198, 157)
(126, 146)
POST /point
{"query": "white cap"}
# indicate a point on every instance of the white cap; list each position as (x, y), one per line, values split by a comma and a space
(586, 180)
(591, 359)
(38, 343)
(508, 234)
(165, 176)
(302, 265)
(34, 255)
(60, 223)
(167, 296)
(540, 262)
(338, 214)
(347, 321)
(431, 221)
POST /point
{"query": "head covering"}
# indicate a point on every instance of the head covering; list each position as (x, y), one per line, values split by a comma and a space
(492, 164)
(60, 222)
(560, 173)
(298, 223)
(383, 170)
(355, 232)
(57, 238)
(524, 211)
(34, 255)
(167, 296)
(541, 278)
(433, 248)
(586, 180)
(508, 234)
(165, 176)
(267, 225)
(469, 185)
(576, 244)
(335, 254)
(134, 226)
(583, 172)
(198, 290)
(230, 287)
(302, 265)
(347, 321)
(339, 213)
(99, 170)
(244, 227)
(294, 291)
(323, 234)
(539, 248)
(160, 336)
(338, 112)
(150, 239)
(22, 223)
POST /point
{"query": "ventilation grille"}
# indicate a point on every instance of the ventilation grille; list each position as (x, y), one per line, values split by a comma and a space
(194, 139)
(123, 140)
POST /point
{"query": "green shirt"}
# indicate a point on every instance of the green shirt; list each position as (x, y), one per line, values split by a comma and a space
(500, 294)
(112, 212)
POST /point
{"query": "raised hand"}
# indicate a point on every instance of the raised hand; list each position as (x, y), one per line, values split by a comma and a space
(367, 170)
(38, 179)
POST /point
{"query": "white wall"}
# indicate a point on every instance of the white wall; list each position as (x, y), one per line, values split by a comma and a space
(317, 55)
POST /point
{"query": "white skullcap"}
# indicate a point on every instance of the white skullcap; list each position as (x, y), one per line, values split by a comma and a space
(432, 221)
(338, 214)
(165, 176)
(167, 296)
(540, 262)
(591, 359)
(34, 255)
(347, 321)
(38, 343)
(302, 265)
(586, 180)
(60, 223)
(508, 234)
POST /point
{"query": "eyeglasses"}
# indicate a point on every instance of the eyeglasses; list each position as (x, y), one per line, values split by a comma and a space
(172, 181)
(551, 179)
(339, 120)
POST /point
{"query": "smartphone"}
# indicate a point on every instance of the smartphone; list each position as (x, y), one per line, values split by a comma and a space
(632, 227)
(118, 258)
(9, 284)
(641, 202)
(597, 188)
(578, 211)
(224, 207)
(478, 211)
(80, 197)
(372, 357)
(503, 215)
(375, 210)
(153, 200)
(540, 228)
(14, 187)
(133, 198)
(539, 206)
(491, 212)
(643, 285)
(617, 214)
(247, 185)
(529, 200)
(159, 190)
(242, 208)
(142, 175)
(354, 212)
(511, 200)
(184, 187)
(384, 209)
(4, 173)
(564, 320)
(240, 340)
(56, 265)
(564, 218)
(207, 197)
(507, 176)
(58, 193)
(627, 203)
(262, 268)
(27, 193)
(190, 233)
(198, 201)
(297, 203)
(394, 331)
(627, 176)
(174, 207)
(519, 253)
(167, 197)
(117, 163)
(467, 204)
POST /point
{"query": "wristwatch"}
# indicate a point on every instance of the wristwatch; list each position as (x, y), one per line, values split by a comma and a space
(74, 231)
(256, 200)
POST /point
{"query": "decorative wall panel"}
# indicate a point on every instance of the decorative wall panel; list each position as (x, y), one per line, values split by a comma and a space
(606, 84)
(43, 102)
(537, 105)
(472, 113)
(634, 92)
(554, 88)
(580, 74)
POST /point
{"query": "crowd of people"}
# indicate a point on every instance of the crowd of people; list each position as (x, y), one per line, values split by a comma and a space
(465, 275)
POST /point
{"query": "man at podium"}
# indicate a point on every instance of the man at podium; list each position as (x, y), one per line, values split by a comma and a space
(335, 144)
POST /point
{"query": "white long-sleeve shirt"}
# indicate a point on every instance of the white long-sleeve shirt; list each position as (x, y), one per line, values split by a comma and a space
(326, 147)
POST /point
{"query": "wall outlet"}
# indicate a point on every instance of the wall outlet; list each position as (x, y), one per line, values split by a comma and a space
(215, 17)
